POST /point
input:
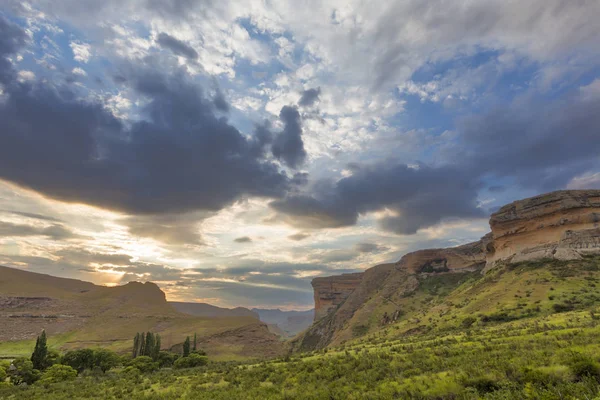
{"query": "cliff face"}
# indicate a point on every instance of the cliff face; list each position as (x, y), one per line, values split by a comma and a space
(331, 291)
(564, 225)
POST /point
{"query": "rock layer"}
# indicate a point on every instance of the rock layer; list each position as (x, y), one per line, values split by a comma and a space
(331, 291)
(564, 225)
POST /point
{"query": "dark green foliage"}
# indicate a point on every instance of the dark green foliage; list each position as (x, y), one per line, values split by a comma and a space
(144, 364)
(562, 307)
(482, 384)
(149, 346)
(167, 359)
(186, 347)
(359, 330)
(136, 345)
(38, 358)
(586, 367)
(142, 349)
(468, 321)
(105, 359)
(79, 360)
(156, 349)
(192, 361)
(195, 342)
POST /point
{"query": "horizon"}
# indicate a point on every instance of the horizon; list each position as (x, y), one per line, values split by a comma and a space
(231, 152)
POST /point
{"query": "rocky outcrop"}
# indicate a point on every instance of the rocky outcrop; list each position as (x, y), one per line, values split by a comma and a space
(468, 257)
(563, 225)
(331, 291)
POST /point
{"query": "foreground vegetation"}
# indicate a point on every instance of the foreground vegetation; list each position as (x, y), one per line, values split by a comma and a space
(540, 341)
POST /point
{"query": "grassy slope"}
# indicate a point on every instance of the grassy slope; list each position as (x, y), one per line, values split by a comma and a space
(114, 315)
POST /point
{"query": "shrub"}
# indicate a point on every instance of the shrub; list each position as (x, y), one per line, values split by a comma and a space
(586, 368)
(192, 361)
(144, 364)
(482, 384)
(467, 322)
(105, 359)
(167, 359)
(562, 307)
(58, 373)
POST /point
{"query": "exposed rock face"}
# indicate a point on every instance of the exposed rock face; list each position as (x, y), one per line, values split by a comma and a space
(468, 257)
(563, 225)
(331, 291)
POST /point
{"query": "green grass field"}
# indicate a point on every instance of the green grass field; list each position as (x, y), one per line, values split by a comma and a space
(501, 336)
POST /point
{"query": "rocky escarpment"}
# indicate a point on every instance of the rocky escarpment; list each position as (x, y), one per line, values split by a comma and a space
(564, 225)
(331, 291)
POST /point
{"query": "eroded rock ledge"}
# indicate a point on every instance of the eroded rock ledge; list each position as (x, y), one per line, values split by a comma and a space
(331, 291)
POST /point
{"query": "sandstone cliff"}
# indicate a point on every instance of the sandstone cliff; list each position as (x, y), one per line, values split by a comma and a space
(331, 291)
(564, 225)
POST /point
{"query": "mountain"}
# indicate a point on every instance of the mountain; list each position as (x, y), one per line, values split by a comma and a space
(289, 322)
(540, 253)
(78, 314)
(208, 310)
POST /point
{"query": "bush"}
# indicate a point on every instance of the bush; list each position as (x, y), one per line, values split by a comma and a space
(482, 384)
(2, 374)
(22, 371)
(562, 307)
(58, 373)
(192, 361)
(167, 359)
(586, 368)
(144, 364)
(467, 322)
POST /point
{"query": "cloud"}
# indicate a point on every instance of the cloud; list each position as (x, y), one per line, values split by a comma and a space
(32, 215)
(175, 229)
(415, 197)
(81, 51)
(299, 236)
(54, 232)
(288, 145)
(12, 39)
(243, 239)
(369, 248)
(309, 97)
(178, 158)
(177, 46)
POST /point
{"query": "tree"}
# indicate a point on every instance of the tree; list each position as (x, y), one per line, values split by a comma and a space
(22, 371)
(157, 344)
(195, 341)
(166, 359)
(144, 364)
(38, 358)
(105, 359)
(149, 347)
(136, 345)
(186, 347)
(142, 344)
(79, 359)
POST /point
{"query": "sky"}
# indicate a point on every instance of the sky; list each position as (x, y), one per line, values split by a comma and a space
(231, 151)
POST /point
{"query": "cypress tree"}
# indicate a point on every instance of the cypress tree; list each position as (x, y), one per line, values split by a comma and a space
(186, 347)
(38, 358)
(136, 344)
(195, 342)
(156, 347)
(142, 350)
(149, 347)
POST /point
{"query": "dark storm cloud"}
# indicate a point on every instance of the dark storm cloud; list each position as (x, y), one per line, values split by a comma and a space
(309, 97)
(55, 232)
(220, 102)
(288, 145)
(179, 158)
(243, 239)
(177, 46)
(420, 197)
(543, 145)
(12, 38)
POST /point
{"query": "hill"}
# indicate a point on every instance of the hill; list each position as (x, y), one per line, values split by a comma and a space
(559, 231)
(286, 323)
(208, 310)
(79, 314)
